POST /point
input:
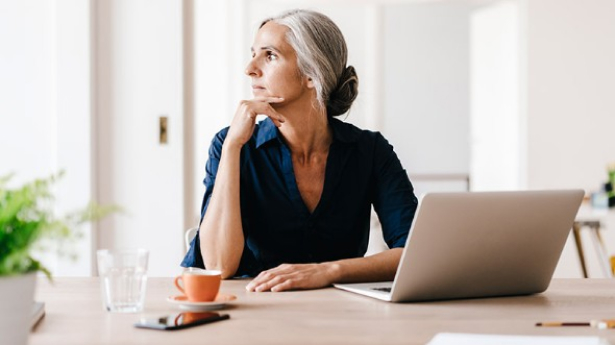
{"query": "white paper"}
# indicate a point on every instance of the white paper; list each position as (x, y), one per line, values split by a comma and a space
(497, 339)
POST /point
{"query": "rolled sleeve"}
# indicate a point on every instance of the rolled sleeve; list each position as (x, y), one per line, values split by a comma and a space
(394, 199)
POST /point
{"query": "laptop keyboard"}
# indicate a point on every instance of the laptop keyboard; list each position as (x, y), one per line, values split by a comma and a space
(383, 289)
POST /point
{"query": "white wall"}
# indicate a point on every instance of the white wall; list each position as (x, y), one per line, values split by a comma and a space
(570, 76)
(426, 88)
(139, 78)
(75, 130)
(45, 108)
(215, 97)
(570, 103)
(495, 130)
(27, 86)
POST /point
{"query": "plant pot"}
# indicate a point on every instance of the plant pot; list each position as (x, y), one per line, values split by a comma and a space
(16, 301)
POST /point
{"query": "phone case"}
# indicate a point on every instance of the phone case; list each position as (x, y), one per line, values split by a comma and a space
(180, 321)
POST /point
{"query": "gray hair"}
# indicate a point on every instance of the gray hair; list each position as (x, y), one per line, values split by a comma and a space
(322, 56)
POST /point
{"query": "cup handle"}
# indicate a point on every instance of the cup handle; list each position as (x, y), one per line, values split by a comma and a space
(177, 279)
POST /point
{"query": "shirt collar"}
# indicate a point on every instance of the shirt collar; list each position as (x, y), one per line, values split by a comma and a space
(342, 132)
(267, 131)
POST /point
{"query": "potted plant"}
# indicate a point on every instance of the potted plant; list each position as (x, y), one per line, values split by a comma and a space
(27, 221)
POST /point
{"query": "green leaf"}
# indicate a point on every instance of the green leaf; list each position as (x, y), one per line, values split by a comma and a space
(27, 219)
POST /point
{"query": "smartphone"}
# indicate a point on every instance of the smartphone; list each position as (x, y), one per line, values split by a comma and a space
(181, 320)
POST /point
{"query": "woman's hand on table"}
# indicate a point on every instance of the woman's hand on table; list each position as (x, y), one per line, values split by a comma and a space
(294, 277)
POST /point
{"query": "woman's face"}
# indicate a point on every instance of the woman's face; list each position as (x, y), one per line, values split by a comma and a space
(273, 67)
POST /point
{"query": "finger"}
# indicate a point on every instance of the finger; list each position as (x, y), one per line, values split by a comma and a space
(250, 286)
(276, 117)
(268, 111)
(277, 123)
(266, 286)
(253, 284)
(286, 285)
(269, 99)
(260, 279)
(277, 120)
(270, 274)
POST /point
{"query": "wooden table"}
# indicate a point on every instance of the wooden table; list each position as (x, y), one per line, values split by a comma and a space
(74, 315)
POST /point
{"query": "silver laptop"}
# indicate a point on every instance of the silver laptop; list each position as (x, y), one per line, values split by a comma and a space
(467, 245)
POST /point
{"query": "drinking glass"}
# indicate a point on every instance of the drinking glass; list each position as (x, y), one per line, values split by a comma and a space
(123, 278)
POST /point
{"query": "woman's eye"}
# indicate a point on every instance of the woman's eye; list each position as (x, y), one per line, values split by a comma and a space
(271, 56)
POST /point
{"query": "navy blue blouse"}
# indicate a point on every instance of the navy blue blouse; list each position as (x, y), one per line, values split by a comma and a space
(362, 169)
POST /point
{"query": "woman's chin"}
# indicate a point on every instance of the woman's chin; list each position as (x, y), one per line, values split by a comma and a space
(260, 93)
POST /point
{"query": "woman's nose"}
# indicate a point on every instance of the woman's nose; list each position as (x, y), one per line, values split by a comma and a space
(252, 70)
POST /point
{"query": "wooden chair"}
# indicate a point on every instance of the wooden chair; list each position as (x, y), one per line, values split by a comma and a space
(189, 236)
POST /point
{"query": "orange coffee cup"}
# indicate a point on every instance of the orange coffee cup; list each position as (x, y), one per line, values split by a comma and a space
(199, 286)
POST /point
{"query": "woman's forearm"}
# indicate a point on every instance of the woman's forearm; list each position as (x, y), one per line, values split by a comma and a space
(377, 267)
(221, 231)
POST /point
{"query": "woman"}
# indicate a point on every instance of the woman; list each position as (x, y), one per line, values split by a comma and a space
(293, 193)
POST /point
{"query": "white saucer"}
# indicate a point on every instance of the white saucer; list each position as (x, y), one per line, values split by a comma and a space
(220, 302)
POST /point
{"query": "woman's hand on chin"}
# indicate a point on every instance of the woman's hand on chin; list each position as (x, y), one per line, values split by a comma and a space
(295, 277)
(245, 118)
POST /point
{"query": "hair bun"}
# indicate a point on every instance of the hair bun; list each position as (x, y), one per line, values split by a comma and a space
(344, 94)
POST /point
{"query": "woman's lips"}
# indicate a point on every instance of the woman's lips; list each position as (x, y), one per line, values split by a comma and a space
(258, 90)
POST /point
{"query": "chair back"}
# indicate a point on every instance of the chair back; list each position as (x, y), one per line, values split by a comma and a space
(189, 236)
